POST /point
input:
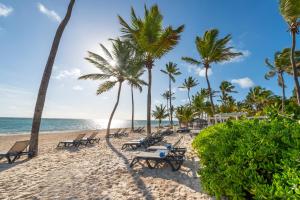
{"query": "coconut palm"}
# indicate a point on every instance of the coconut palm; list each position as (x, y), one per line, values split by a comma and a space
(152, 39)
(160, 113)
(135, 82)
(258, 98)
(39, 106)
(226, 89)
(290, 10)
(198, 104)
(167, 95)
(281, 61)
(185, 114)
(172, 71)
(189, 83)
(115, 67)
(212, 50)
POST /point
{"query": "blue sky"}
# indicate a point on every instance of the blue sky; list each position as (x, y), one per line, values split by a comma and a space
(27, 29)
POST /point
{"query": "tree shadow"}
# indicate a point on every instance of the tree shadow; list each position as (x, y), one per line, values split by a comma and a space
(139, 182)
(5, 165)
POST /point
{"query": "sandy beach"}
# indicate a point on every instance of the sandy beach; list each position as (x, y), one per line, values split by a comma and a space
(99, 171)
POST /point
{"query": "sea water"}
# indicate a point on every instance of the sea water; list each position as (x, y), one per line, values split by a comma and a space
(23, 125)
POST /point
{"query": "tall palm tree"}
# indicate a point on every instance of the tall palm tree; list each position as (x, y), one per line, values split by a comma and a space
(198, 104)
(226, 88)
(281, 61)
(135, 81)
(189, 83)
(212, 50)
(160, 113)
(39, 106)
(167, 95)
(290, 10)
(115, 68)
(172, 71)
(152, 39)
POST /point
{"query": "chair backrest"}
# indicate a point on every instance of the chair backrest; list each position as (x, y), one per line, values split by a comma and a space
(19, 146)
(124, 130)
(80, 136)
(93, 135)
(178, 141)
(118, 131)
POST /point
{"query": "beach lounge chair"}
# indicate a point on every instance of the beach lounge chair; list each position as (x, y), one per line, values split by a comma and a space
(124, 132)
(91, 139)
(139, 130)
(166, 146)
(76, 142)
(183, 130)
(16, 151)
(153, 159)
(145, 142)
(116, 133)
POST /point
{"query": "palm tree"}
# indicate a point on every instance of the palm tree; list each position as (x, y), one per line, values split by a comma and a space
(39, 106)
(167, 96)
(160, 113)
(151, 39)
(226, 88)
(281, 61)
(172, 71)
(135, 81)
(189, 83)
(212, 50)
(115, 67)
(290, 10)
(185, 114)
(198, 104)
(258, 98)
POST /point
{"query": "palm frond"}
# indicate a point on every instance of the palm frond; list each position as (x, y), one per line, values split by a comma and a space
(95, 77)
(104, 87)
(191, 61)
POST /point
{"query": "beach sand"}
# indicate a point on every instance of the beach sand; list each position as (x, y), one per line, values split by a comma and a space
(99, 171)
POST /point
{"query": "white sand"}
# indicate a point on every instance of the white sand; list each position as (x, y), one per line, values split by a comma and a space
(100, 171)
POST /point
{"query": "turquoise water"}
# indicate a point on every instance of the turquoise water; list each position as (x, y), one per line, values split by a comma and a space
(23, 125)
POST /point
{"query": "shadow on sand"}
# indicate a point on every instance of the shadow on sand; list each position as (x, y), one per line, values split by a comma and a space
(5, 165)
(139, 182)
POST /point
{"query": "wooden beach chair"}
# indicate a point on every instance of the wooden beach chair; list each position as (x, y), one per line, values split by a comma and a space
(76, 142)
(16, 151)
(153, 159)
(91, 139)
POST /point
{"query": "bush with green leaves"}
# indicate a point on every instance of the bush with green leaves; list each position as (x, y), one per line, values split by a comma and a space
(251, 159)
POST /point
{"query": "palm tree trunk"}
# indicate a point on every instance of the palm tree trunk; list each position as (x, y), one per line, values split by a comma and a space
(168, 109)
(149, 67)
(283, 91)
(114, 110)
(189, 97)
(294, 65)
(132, 110)
(209, 91)
(171, 111)
(39, 106)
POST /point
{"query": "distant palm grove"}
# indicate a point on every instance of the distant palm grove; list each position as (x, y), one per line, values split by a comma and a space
(269, 170)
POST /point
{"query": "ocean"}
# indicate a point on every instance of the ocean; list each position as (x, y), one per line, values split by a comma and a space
(23, 125)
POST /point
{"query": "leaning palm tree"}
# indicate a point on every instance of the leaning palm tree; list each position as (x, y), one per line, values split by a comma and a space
(135, 82)
(172, 71)
(281, 62)
(189, 83)
(160, 113)
(212, 50)
(153, 40)
(115, 68)
(290, 10)
(39, 106)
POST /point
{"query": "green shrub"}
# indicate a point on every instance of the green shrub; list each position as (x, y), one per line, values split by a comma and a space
(250, 159)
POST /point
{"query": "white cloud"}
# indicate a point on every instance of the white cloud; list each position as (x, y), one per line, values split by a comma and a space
(243, 82)
(5, 10)
(182, 89)
(198, 70)
(201, 72)
(184, 100)
(50, 13)
(73, 73)
(77, 87)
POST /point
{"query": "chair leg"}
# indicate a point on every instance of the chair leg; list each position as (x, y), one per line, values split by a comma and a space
(133, 162)
(9, 159)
